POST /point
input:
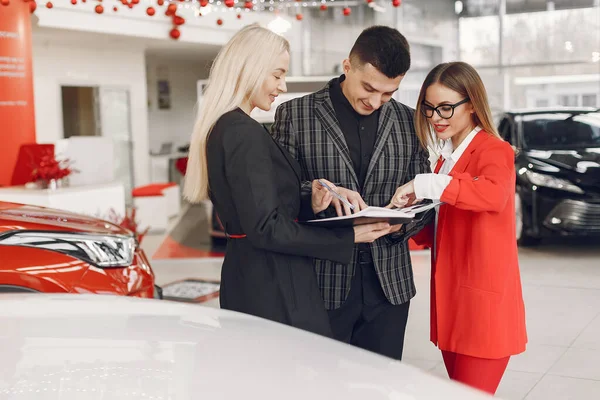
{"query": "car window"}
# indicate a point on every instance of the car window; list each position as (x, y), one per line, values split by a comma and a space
(505, 130)
(561, 130)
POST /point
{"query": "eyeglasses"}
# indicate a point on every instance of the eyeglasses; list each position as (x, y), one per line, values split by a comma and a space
(445, 111)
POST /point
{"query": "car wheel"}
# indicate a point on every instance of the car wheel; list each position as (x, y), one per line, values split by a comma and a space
(521, 225)
(16, 289)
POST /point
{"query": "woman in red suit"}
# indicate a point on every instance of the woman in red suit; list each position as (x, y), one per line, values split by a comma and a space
(477, 311)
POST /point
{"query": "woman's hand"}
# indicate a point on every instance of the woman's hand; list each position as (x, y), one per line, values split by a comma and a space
(404, 196)
(368, 233)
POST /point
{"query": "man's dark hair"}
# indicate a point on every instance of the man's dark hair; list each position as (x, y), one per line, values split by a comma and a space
(384, 48)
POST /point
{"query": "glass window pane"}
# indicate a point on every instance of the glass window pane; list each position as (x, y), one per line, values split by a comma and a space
(559, 131)
(589, 100)
(568, 100)
(479, 40)
(543, 37)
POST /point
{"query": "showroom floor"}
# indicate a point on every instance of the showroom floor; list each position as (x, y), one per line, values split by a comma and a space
(562, 298)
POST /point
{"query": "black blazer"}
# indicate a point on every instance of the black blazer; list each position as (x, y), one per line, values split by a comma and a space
(255, 187)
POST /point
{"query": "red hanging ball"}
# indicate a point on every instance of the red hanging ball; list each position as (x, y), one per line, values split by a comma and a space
(135, 1)
(219, 22)
(124, 2)
(177, 20)
(175, 33)
(5, 2)
(396, 3)
(115, 9)
(203, 3)
(299, 17)
(49, 4)
(369, 1)
(99, 9)
(347, 11)
(323, 7)
(32, 6)
(161, 2)
(172, 8)
(248, 5)
(230, 3)
(130, 5)
(150, 11)
(239, 16)
(73, 2)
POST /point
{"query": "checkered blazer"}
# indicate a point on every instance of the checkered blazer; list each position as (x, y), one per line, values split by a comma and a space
(307, 127)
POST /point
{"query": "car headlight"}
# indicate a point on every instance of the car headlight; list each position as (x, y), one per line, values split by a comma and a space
(552, 182)
(104, 251)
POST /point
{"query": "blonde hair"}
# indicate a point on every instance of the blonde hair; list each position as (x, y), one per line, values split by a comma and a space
(463, 79)
(237, 73)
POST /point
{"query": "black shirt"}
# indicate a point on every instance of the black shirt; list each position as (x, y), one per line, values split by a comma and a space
(360, 131)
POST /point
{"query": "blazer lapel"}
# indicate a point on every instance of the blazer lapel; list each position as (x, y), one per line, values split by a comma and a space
(463, 161)
(293, 163)
(384, 129)
(326, 115)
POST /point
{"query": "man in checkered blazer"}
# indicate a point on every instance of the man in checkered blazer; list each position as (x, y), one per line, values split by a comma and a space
(355, 135)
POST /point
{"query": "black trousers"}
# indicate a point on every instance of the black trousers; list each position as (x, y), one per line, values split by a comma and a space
(367, 319)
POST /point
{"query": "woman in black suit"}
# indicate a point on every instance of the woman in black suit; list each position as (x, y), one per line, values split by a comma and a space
(255, 186)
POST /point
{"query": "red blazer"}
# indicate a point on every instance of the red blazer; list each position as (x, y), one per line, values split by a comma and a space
(476, 299)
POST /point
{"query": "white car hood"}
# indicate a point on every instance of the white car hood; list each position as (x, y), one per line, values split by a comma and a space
(79, 347)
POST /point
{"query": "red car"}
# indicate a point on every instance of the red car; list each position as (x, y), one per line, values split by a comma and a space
(51, 251)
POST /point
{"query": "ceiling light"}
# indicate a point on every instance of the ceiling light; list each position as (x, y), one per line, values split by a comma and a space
(376, 7)
(279, 25)
(458, 7)
(569, 46)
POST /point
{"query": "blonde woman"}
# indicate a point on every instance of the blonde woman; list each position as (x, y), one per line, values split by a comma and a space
(477, 311)
(255, 186)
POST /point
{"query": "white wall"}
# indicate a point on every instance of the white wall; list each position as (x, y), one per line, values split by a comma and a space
(80, 65)
(175, 124)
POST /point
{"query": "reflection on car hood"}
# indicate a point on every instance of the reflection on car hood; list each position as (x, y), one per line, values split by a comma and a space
(90, 347)
(580, 166)
(24, 217)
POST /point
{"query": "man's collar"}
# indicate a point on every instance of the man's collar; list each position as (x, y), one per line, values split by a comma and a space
(338, 97)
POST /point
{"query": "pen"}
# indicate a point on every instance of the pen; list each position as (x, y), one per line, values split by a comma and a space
(333, 192)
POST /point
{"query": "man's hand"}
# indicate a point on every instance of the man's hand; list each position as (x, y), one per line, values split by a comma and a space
(395, 228)
(353, 197)
(321, 197)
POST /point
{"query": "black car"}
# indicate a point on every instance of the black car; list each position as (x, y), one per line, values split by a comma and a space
(558, 171)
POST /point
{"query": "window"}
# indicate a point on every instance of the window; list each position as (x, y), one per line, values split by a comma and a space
(561, 131)
(589, 100)
(569, 100)
(505, 130)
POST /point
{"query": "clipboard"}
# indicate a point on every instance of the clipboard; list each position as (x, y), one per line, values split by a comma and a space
(371, 215)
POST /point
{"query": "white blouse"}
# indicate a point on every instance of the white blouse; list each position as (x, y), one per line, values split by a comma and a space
(431, 186)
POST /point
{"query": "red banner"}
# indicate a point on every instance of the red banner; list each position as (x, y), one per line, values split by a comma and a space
(17, 118)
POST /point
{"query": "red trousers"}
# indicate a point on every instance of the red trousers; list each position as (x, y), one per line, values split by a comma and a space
(480, 373)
